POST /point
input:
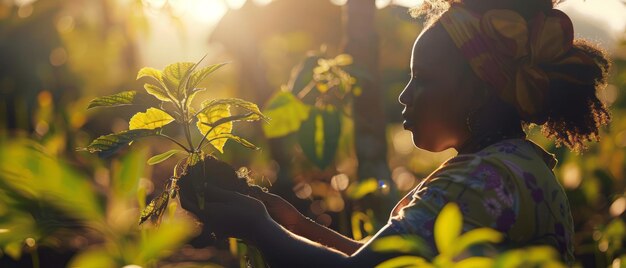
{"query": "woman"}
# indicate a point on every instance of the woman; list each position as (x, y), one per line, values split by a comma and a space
(480, 71)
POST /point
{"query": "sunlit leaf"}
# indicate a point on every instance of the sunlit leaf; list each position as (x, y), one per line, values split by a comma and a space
(174, 75)
(90, 257)
(158, 92)
(119, 99)
(361, 189)
(170, 236)
(199, 75)
(191, 95)
(356, 220)
(210, 116)
(319, 136)
(343, 59)
(155, 74)
(475, 236)
(321, 87)
(14, 249)
(109, 144)
(511, 258)
(162, 157)
(126, 177)
(238, 139)
(155, 85)
(151, 119)
(286, 113)
(26, 169)
(155, 208)
(401, 244)
(245, 105)
(541, 254)
(475, 262)
(405, 261)
(447, 228)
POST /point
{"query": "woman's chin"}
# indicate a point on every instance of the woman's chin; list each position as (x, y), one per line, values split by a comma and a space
(432, 147)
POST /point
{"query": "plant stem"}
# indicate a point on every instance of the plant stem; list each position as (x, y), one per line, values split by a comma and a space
(219, 122)
(34, 254)
(306, 90)
(204, 138)
(175, 141)
(187, 133)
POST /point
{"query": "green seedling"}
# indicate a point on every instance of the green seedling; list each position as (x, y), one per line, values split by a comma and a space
(175, 87)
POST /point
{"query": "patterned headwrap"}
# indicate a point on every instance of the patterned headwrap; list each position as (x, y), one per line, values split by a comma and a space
(506, 51)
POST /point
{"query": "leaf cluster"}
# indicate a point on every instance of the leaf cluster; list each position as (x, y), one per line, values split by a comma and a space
(312, 106)
(175, 87)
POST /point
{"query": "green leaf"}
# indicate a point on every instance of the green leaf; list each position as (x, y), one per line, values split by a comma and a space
(158, 92)
(246, 105)
(107, 145)
(119, 99)
(43, 182)
(126, 178)
(287, 113)
(239, 140)
(448, 228)
(343, 59)
(401, 244)
(91, 256)
(162, 157)
(319, 136)
(155, 86)
(208, 117)
(174, 77)
(155, 74)
(163, 241)
(361, 189)
(475, 262)
(191, 95)
(405, 261)
(476, 236)
(155, 208)
(199, 75)
(151, 119)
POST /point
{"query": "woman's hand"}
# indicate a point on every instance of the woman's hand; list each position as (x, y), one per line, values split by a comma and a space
(226, 213)
(279, 209)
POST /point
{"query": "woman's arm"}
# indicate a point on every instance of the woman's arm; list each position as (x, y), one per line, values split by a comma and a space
(282, 248)
(327, 237)
(290, 218)
(230, 214)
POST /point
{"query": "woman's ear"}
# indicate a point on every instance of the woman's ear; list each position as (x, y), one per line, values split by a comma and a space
(478, 90)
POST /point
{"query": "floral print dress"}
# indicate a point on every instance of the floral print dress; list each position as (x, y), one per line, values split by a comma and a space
(508, 186)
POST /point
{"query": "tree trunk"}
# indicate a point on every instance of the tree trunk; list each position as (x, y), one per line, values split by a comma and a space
(361, 41)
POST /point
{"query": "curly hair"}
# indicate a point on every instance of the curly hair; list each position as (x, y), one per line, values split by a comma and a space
(574, 114)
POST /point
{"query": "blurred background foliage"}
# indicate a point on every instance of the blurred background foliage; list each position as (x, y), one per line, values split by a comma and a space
(60, 207)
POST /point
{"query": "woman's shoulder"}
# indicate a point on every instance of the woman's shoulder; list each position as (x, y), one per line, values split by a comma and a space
(512, 157)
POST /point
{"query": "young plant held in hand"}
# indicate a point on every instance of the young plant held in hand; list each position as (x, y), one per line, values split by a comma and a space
(175, 87)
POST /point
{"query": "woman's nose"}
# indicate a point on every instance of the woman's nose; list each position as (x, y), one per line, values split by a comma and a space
(405, 97)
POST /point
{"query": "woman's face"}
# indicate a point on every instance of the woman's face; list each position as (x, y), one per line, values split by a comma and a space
(439, 94)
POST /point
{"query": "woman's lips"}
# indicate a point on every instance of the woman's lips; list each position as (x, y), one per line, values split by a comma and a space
(407, 124)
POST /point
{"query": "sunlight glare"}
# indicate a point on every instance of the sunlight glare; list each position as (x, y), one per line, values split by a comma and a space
(154, 4)
(609, 11)
(339, 2)
(380, 4)
(206, 11)
(262, 2)
(235, 4)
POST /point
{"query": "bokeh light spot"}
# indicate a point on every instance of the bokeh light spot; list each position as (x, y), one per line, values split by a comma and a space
(618, 207)
(340, 182)
(303, 190)
(58, 56)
